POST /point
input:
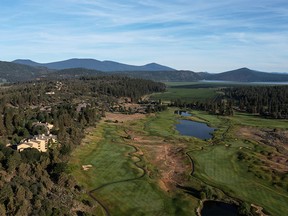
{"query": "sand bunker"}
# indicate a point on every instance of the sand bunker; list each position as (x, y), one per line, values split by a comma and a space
(86, 167)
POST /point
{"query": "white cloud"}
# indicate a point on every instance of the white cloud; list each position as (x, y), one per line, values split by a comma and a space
(185, 34)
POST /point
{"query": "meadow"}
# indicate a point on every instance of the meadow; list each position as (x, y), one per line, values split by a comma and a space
(188, 91)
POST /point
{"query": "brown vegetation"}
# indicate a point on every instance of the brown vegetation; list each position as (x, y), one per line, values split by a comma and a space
(276, 138)
(171, 161)
(119, 117)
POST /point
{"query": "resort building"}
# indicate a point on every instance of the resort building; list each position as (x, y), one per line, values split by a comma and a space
(39, 142)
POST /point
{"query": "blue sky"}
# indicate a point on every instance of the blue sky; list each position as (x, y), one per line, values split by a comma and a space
(198, 35)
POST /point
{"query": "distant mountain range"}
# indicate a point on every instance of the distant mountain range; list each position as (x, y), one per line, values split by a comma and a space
(247, 75)
(26, 70)
(105, 66)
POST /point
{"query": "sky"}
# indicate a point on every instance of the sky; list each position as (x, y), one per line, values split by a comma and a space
(197, 35)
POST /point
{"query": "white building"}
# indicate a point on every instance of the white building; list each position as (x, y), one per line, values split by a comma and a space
(39, 142)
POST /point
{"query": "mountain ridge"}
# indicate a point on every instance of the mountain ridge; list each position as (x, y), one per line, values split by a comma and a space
(15, 72)
(12, 72)
(247, 75)
(88, 63)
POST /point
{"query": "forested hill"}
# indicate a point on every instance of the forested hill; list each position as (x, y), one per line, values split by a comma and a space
(164, 76)
(11, 72)
(160, 76)
(106, 66)
(247, 75)
(73, 73)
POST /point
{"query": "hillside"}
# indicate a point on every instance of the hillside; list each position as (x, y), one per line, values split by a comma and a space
(26, 70)
(106, 66)
(73, 73)
(164, 76)
(161, 76)
(247, 75)
(11, 72)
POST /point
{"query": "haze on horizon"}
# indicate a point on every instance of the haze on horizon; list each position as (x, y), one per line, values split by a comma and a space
(197, 35)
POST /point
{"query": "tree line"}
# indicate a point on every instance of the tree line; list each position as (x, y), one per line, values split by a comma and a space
(269, 101)
(266, 101)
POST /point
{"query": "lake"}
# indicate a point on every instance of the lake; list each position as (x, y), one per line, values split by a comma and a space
(195, 129)
(244, 83)
(214, 208)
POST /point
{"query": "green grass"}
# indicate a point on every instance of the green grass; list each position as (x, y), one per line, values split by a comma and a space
(180, 83)
(205, 84)
(215, 84)
(257, 121)
(188, 95)
(196, 91)
(161, 125)
(105, 151)
(192, 91)
(140, 197)
(100, 155)
(122, 187)
(219, 167)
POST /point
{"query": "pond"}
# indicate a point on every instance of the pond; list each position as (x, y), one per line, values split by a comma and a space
(195, 129)
(214, 208)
